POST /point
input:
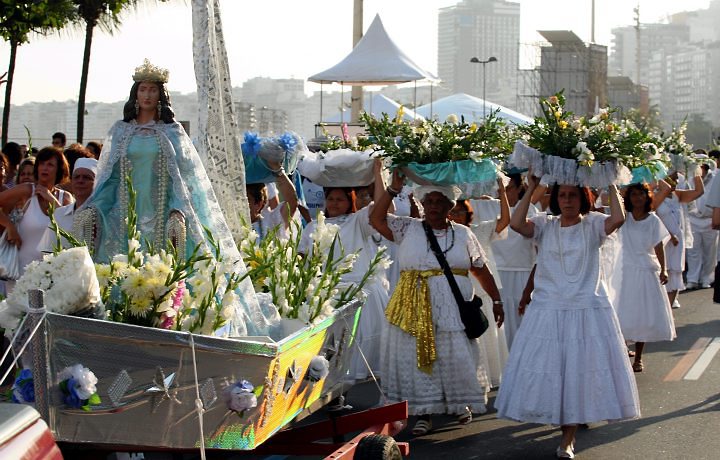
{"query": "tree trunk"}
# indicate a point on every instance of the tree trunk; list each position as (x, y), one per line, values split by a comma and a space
(8, 92)
(90, 26)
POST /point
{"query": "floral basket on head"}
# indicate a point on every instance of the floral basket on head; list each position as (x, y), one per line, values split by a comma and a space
(648, 161)
(682, 157)
(286, 149)
(452, 152)
(561, 147)
(341, 162)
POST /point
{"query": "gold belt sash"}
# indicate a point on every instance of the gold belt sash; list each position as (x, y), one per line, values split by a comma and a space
(410, 310)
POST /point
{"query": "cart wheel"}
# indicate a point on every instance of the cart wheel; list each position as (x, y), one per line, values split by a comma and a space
(377, 447)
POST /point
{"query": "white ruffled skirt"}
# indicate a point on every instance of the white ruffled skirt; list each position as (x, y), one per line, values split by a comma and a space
(568, 366)
(457, 380)
(513, 284)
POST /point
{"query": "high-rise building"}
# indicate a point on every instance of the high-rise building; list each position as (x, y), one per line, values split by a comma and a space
(653, 37)
(683, 82)
(481, 29)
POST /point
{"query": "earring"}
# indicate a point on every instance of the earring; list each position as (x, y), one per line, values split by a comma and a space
(137, 108)
(159, 109)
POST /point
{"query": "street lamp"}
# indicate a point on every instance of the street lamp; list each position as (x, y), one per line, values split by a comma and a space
(475, 60)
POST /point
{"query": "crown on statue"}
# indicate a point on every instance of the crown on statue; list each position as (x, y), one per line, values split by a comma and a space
(149, 72)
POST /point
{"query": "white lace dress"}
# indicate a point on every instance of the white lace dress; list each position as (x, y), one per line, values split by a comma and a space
(642, 304)
(457, 379)
(493, 340)
(671, 214)
(568, 363)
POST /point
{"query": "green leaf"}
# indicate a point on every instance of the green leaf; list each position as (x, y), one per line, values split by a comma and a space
(94, 399)
(257, 391)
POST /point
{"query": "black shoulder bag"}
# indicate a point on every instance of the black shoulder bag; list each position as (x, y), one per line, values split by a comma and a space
(474, 320)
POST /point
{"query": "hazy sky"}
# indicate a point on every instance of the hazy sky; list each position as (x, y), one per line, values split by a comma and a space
(278, 39)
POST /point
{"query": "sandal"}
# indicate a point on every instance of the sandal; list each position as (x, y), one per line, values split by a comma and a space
(631, 354)
(637, 366)
(422, 426)
(568, 452)
(465, 417)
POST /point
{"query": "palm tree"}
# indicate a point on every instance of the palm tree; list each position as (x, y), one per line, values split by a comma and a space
(93, 13)
(17, 20)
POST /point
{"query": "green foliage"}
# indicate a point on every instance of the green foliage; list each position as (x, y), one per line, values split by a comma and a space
(431, 141)
(20, 18)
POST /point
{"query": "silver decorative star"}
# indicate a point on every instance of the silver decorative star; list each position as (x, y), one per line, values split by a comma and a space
(294, 373)
(165, 388)
(331, 348)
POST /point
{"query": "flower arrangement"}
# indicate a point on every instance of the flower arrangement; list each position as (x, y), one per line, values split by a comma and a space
(23, 388)
(318, 369)
(77, 384)
(682, 156)
(156, 288)
(307, 287)
(432, 141)
(596, 151)
(358, 144)
(70, 285)
(647, 158)
(241, 396)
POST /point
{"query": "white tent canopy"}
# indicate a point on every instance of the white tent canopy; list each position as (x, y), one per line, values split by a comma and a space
(376, 106)
(375, 60)
(471, 108)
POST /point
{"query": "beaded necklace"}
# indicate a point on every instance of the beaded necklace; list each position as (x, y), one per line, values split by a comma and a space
(452, 242)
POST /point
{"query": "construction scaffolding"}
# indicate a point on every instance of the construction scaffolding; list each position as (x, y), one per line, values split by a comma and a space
(564, 62)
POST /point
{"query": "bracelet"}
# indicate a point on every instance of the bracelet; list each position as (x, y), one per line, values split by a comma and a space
(392, 192)
(278, 172)
(497, 302)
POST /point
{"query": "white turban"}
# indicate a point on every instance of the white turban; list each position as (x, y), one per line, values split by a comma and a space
(451, 192)
(86, 163)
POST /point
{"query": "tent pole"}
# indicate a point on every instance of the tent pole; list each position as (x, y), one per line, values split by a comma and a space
(415, 95)
(342, 103)
(431, 99)
(321, 101)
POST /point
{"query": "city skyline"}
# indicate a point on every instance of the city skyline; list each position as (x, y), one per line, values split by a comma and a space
(301, 41)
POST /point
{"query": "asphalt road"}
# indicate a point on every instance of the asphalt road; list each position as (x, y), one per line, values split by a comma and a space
(680, 411)
(680, 418)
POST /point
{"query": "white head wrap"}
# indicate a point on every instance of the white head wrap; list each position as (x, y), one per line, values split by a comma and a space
(451, 192)
(87, 163)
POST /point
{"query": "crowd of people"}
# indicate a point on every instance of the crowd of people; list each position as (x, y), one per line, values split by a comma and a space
(575, 283)
(569, 277)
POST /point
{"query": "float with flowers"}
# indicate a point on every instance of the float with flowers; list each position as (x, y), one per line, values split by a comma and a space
(135, 353)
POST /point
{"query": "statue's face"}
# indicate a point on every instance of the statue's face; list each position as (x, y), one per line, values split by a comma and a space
(148, 95)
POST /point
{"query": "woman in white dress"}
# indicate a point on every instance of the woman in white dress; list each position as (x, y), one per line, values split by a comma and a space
(427, 359)
(667, 202)
(51, 169)
(568, 364)
(355, 235)
(514, 256)
(494, 345)
(642, 304)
